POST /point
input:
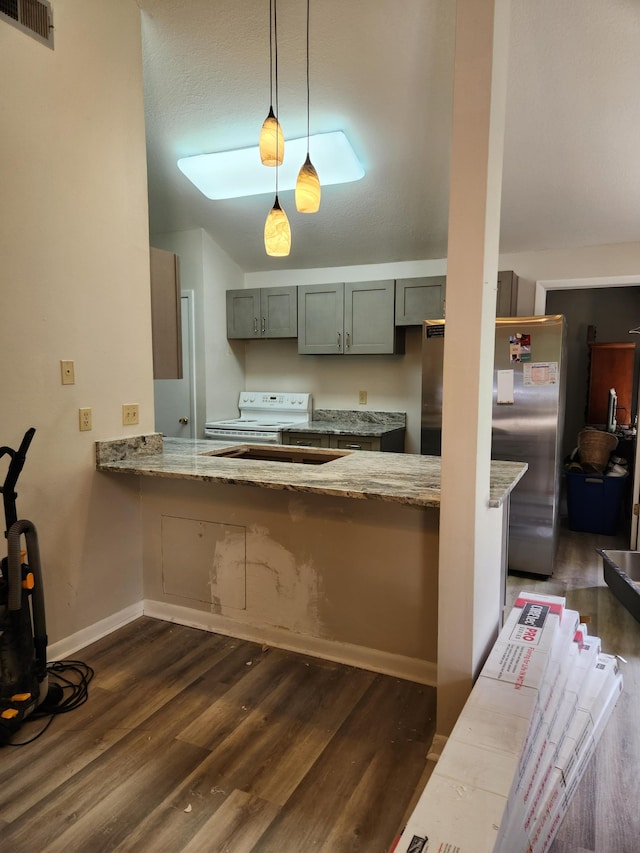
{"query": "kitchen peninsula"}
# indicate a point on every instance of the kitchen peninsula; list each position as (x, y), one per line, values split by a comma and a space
(338, 559)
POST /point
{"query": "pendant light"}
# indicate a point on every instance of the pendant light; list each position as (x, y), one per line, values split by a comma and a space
(308, 184)
(277, 231)
(271, 136)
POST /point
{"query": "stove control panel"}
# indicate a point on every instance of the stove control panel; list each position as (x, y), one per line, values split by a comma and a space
(275, 401)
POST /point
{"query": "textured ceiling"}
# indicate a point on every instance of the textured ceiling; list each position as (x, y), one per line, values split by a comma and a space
(381, 70)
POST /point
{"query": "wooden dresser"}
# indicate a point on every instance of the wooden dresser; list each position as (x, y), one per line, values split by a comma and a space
(611, 366)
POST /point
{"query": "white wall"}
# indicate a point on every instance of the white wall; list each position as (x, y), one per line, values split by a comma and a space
(224, 360)
(392, 382)
(360, 272)
(75, 285)
(617, 259)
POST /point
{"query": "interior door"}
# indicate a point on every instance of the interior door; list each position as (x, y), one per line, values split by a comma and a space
(635, 501)
(174, 398)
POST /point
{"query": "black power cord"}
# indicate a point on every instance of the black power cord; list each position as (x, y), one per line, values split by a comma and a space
(68, 689)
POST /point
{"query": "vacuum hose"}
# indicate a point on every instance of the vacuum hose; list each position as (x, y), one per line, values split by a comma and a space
(14, 580)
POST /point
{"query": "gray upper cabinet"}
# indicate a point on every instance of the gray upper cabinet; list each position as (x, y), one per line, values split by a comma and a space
(507, 298)
(262, 312)
(419, 299)
(166, 323)
(321, 318)
(355, 318)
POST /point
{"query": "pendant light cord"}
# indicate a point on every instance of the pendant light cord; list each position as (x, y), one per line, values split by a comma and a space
(308, 78)
(270, 51)
(275, 37)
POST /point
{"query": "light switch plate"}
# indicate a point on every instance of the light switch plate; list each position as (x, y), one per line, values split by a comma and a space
(130, 414)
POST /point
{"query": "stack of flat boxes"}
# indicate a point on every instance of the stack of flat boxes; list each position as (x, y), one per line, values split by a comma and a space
(521, 745)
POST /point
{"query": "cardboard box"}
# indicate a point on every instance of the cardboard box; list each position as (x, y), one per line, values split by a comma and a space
(522, 651)
(536, 754)
(452, 818)
(522, 740)
(565, 787)
(464, 801)
(570, 722)
(600, 692)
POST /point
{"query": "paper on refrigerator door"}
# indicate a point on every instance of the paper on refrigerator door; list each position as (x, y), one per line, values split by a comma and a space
(540, 373)
(504, 382)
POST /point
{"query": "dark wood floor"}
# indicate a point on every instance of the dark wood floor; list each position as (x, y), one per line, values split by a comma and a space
(604, 816)
(195, 742)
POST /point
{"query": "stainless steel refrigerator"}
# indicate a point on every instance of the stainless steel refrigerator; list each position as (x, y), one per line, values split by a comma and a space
(528, 418)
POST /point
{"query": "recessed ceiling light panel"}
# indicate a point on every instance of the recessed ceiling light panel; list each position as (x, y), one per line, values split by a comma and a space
(233, 174)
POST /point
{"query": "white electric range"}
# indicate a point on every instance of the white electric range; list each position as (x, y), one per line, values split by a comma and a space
(263, 416)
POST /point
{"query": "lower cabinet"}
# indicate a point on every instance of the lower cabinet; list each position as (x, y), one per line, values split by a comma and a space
(392, 441)
(306, 439)
(356, 442)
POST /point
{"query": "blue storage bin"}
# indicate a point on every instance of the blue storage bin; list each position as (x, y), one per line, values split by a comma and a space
(593, 502)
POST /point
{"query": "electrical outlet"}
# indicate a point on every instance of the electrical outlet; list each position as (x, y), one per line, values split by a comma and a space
(130, 414)
(85, 420)
(362, 397)
(67, 373)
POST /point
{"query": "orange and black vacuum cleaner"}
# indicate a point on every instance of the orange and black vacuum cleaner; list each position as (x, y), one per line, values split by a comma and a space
(23, 632)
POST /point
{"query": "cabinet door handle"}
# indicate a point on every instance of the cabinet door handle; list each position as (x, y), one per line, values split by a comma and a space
(255, 325)
(183, 421)
(339, 336)
(301, 443)
(348, 340)
(353, 446)
(264, 325)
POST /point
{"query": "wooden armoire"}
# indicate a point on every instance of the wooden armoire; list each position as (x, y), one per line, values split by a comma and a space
(610, 366)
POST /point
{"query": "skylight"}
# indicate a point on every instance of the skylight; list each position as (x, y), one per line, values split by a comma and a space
(233, 174)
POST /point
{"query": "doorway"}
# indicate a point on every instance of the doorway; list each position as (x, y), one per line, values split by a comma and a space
(174, 399)
(602, 313)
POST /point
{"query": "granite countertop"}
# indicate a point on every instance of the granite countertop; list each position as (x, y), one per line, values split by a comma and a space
(397, 477)
(347, 422)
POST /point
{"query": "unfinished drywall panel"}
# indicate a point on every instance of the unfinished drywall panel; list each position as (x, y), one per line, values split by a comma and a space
(204, 561)
(342, 570)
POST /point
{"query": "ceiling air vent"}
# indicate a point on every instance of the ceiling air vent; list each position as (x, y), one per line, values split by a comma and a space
(33, 17)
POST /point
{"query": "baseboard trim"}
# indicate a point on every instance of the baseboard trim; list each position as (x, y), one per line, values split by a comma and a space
(67, 646)
(438, 744)
(410, 669)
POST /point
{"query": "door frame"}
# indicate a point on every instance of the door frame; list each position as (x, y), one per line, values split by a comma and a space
(540, 301)
(167, 391)
(189, 352)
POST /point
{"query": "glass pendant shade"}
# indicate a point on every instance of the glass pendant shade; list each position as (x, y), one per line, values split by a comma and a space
(308, 189)
(277, 232)
(271, 141)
